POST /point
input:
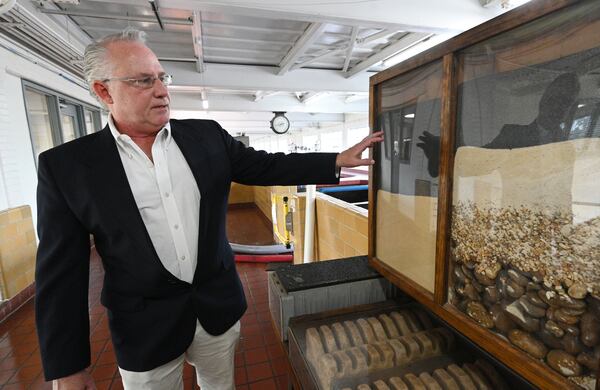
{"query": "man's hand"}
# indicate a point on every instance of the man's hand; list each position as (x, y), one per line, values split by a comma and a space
(79, 381)
(351, 157)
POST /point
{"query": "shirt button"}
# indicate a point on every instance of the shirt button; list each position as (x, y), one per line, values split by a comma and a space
(167, 194)
(183, 257)
(130, 155)
(176, 226)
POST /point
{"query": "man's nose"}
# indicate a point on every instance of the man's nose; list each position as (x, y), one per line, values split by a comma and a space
(160, 89)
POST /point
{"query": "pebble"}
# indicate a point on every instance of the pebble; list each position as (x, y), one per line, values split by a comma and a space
(479, 313)
(589, 360)
(483, 279)
(590, 329)
(458, 274)
(533, 287)
(550, 340)
(563, 362)
(519, 278)
(569, 329)
(560, 315)
(471, 293)
(572, 344)
(554, 329)
(490, 294)
(514, 290)
(502, 321)
(572, 312)
(535, 299)
(531, 309)
(466, 271)
(550, 298)
(568, 302)
(577, 291)
(501, 282)
(527, 343)
(492, 271)
(516, 313)
(537, 276)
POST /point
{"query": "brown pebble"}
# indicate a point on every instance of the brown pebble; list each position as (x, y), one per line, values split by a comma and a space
(517, 314)
(458, 274)
(560, 315)
(554, 329)
(549, 297)
(482, 278)
(590, 329)
(589, 360)
(471, 292)
(531, 309)
(568, 302)
(479, 313)
(490, 294)
(514, 290)
(550, 340)
(569, 329)
(519, 278)
(533, 297)
(492, 271)
(572, 344)
(563, 362)
(501, 282)
(577, 291)
(502, 321)
(533, 287)
(527, 343)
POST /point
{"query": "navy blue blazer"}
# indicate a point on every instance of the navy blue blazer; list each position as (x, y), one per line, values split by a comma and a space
(83, 190)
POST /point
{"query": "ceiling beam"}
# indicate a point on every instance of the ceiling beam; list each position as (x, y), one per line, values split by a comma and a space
(265, 78)
(311, 96)
(309, 36)
(260, 95)
(104, 15)
(197, 40)
(350, 48)
(402, 44)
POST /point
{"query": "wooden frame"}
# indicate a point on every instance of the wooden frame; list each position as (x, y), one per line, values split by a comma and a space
(517, 360)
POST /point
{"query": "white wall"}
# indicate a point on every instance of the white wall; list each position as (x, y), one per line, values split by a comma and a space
(18, 176)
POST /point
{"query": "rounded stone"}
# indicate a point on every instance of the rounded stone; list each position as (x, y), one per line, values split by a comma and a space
(550, 340)
(518, 277)
(502, 321)
(471, 292)
(561, 316)
(550, 298)
(492, 271)
(572, 344)
(533, 297)
(516, 312)
(531, 309)
(563, 363)
(589, 360)
(577, 291)
(554, 329)
(570, 303)
(458, 274)
(514, 290)
(490, 294)
(590, 329)
(527, 343)
(479, 313)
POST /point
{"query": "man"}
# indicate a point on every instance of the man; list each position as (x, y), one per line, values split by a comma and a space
(153, 192)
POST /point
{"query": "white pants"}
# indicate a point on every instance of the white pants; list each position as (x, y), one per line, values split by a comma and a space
(212, 356)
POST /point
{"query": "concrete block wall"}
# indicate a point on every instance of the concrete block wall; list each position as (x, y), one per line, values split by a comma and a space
(17, 250)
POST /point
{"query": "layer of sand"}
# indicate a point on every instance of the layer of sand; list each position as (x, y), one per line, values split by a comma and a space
(405, 235)
(562, 175)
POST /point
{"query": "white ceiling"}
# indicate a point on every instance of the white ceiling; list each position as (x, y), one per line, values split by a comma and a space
(298, 56)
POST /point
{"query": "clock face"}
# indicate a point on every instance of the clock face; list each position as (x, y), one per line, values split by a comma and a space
(280, 124)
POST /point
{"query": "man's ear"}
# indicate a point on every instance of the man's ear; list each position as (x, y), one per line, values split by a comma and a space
(102, 92)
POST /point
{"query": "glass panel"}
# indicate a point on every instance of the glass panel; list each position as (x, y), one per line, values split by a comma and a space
(407, 173)
(89, 121)
(526, 204)
(39, 121)
(68, 128)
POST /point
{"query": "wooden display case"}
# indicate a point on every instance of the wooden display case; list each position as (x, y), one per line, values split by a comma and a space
(484, 202)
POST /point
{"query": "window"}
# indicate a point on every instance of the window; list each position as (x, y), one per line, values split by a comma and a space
(55, 119)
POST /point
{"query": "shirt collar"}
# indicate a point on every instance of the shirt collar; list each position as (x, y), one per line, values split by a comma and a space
(164, 132)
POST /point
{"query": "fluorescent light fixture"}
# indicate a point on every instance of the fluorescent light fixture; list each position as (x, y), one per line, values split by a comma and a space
(205, 104)
(416, 49)
(580, 105)
(409, 116)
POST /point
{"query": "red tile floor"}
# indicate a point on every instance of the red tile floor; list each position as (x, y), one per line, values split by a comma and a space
(260, 362)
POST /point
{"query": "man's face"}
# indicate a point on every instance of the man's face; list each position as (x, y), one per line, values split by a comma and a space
(132, 107)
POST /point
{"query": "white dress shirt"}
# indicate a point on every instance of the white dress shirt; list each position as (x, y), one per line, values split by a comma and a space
(167, 198)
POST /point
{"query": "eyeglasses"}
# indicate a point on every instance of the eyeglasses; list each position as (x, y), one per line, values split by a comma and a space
(144, 82)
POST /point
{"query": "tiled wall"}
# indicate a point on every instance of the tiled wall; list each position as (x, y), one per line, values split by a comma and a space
(240, 193)
(17, 250)
(342, 229)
